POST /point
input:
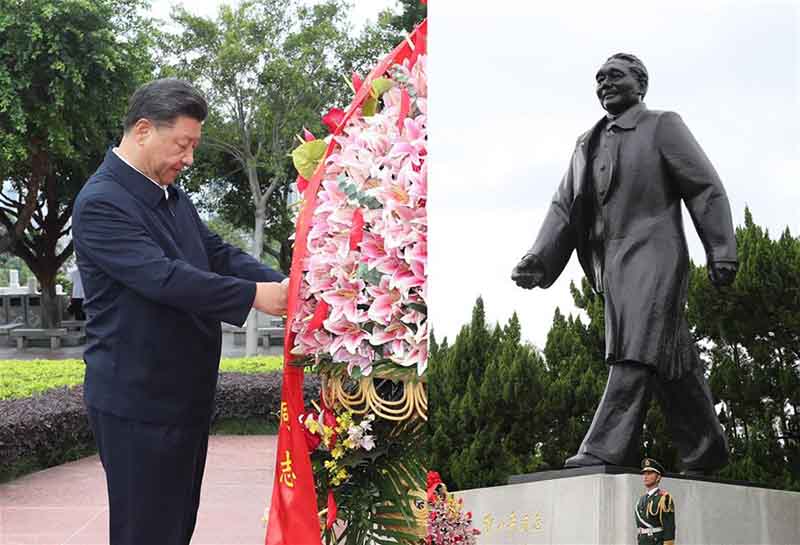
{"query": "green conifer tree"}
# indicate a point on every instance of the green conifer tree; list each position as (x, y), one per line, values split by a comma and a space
(483, 394)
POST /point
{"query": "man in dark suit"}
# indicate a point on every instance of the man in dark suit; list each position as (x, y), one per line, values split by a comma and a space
(157, 284)
(619, 207)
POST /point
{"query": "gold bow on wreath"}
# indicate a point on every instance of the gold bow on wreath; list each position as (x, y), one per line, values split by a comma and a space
(360, 396)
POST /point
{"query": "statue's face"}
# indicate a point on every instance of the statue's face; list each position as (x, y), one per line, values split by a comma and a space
(617, 87)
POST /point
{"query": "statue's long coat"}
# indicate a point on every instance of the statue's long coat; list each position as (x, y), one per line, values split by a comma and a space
(646, 264)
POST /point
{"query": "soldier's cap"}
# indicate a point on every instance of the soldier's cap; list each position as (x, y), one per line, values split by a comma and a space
(648, 464)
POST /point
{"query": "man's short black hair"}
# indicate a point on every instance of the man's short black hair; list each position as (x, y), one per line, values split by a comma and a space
(637, 67)
(164, 100)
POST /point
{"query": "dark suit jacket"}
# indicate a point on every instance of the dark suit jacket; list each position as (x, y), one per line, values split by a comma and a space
(157, 284)
(645, 266)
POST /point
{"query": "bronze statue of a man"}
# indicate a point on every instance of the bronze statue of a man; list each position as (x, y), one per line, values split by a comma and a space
(619, 207)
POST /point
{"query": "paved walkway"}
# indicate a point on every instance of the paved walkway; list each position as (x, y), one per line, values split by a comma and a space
(68, 504)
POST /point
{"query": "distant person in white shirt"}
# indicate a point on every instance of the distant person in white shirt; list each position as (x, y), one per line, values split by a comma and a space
(75, 307)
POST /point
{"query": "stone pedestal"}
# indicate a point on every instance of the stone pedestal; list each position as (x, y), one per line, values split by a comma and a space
(595, 506)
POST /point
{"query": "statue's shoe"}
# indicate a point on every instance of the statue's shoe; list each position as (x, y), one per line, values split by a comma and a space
(583, 459)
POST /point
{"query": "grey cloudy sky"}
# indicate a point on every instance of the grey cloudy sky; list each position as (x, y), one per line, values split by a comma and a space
(511, 87)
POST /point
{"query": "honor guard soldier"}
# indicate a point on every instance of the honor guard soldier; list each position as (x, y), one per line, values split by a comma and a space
(655, 510)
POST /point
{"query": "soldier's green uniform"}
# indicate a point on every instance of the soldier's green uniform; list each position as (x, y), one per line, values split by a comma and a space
(655, 513)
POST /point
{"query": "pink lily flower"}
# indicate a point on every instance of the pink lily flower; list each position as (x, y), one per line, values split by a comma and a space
(403, 150)
(396, 331)
(385, 303)
(404, 279)
(363, 360)
(345, 298)
(347, 335)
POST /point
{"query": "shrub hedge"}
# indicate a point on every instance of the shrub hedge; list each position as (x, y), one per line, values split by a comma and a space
(50, 428)
(43, 430)
(246, 395)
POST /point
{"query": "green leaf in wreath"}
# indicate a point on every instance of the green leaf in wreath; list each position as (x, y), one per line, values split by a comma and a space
(381, 85)
(369, 202)
(306, 157)
(370, 106)
(370, 276)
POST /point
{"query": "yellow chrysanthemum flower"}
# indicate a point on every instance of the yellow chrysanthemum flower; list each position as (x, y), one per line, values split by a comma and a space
(312, 425)
(339, 477)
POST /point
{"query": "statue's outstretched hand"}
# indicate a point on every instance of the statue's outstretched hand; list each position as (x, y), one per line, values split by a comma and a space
(722, 273)
(529, 272)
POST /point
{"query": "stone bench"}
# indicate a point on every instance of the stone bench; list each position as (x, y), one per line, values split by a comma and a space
(23, 334)
(74, 325)
(6, 329)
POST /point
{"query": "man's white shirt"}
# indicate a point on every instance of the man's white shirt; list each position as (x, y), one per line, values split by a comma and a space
(162, 187)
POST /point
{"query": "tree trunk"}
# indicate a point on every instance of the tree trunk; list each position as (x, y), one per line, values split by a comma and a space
(51, 308)
(251, 339)
(285, 259)
(40, 165)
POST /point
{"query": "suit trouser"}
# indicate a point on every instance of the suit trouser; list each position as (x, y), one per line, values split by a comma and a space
(686, 403)
(154, 473)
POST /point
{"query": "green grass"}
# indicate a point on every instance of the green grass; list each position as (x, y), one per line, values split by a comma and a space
(23, 378)
(261, 364)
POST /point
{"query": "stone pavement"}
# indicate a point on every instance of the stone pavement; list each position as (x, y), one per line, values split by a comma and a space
(68, 504)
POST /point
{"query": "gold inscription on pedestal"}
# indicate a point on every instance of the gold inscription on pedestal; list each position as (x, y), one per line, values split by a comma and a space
(513, 524)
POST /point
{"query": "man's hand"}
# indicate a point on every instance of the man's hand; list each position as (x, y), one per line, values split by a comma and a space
(271, 297)
(722, 274)
(529, 272)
